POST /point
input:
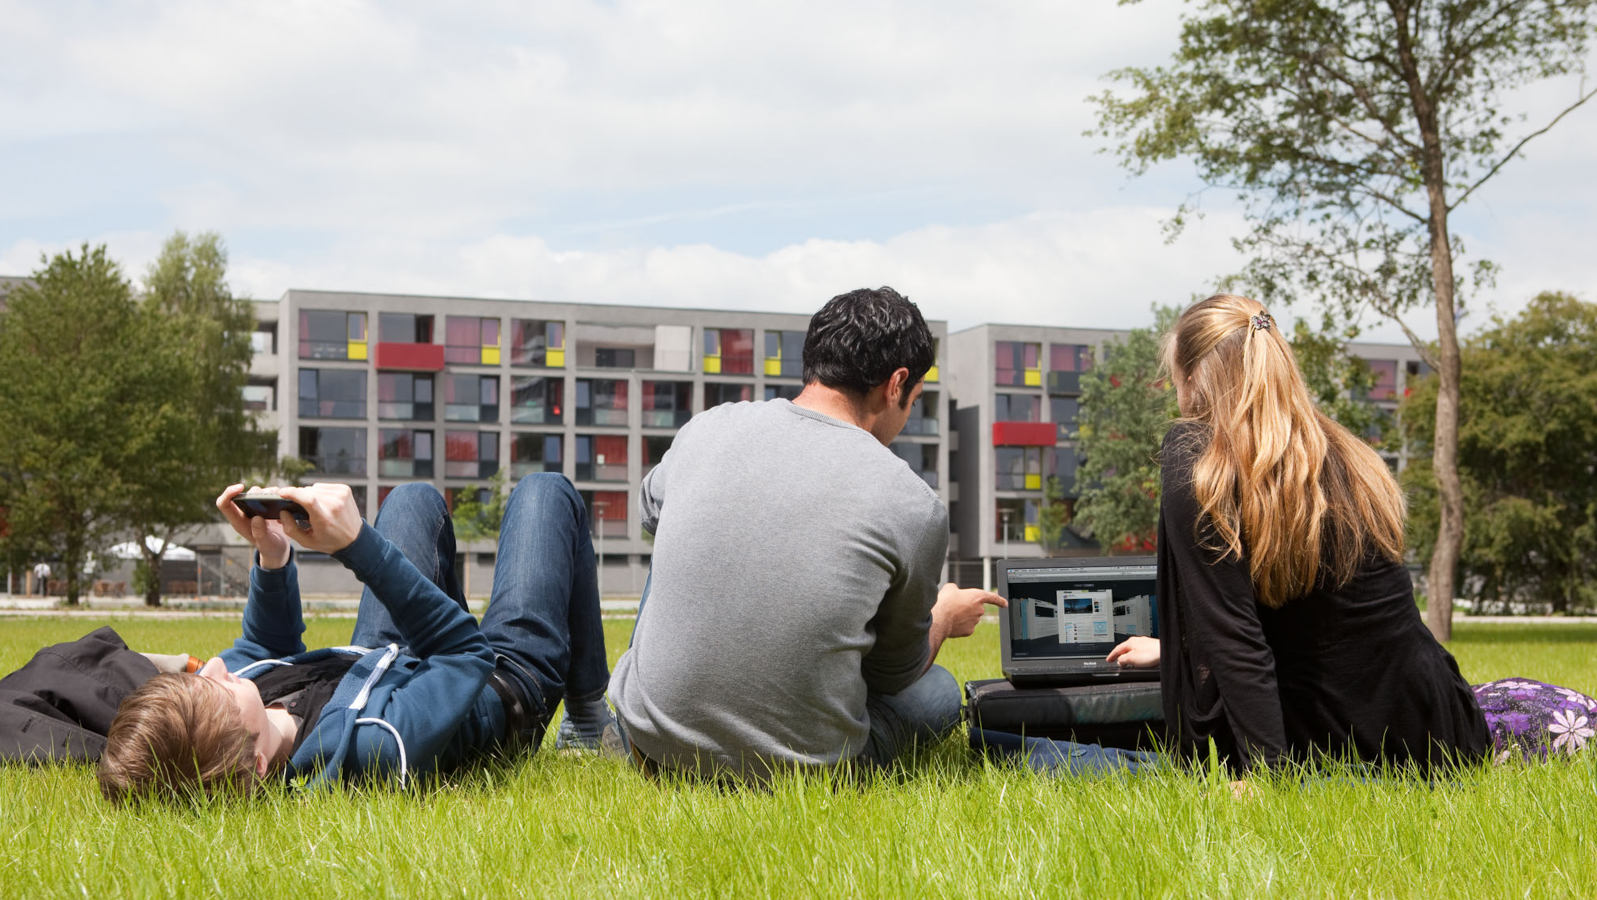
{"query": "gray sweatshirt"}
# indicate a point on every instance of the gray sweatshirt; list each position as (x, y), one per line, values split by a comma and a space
(796, 561)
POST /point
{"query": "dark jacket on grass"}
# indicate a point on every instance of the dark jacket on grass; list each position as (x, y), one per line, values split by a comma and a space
(58, 707)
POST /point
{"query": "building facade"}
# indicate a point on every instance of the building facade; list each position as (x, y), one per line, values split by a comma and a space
(374, 390)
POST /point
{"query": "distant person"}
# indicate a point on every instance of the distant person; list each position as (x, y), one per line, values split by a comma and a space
(41, 578)
(425, 688)
(793, 610)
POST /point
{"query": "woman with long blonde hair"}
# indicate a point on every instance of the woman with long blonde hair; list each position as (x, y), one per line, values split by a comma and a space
(1288, 623)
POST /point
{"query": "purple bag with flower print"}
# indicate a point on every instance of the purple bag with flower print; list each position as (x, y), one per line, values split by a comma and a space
(1534, 718)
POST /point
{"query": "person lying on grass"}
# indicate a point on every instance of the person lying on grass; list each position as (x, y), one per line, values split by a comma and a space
(1281, 571)
(424, 687)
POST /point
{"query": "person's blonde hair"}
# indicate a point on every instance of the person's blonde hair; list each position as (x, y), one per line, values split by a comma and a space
(177, 736)
(1285, 486)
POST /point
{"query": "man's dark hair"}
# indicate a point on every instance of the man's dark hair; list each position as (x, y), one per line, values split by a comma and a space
(858, 339)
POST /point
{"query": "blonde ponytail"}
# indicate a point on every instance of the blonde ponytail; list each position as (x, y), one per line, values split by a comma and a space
(1282, 484)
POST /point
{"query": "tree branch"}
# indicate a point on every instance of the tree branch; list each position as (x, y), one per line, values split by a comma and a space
(1512, 153)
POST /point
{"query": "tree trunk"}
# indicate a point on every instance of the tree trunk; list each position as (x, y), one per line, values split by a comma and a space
(1450, 492)
(152, 584)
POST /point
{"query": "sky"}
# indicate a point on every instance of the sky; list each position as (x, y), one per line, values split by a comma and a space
(700, 153)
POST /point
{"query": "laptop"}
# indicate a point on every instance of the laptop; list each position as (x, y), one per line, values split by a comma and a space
(1066, 614)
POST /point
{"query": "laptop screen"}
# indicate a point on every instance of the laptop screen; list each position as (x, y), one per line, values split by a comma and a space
(1070, 609)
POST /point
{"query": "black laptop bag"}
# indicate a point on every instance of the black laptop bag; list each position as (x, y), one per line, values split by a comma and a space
(1129, 715)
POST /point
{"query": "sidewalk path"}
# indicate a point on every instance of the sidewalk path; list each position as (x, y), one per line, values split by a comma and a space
(204, 607)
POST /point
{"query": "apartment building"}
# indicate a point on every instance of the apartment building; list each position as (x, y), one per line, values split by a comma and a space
(1018, 392)
(375, 390)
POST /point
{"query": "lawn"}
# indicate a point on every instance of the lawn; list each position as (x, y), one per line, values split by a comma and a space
(949, 826)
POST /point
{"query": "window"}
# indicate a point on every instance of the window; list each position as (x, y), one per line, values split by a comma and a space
(404, 395)
(404, 453)
(332, 334)
(1015, 519)
(1385, 372)
(654, 447)
(1017, 408)
(263, 339)
(260, 396)
(716, 394)
(1069, 357)
(404, 328)
(1016, 363)
(359, 493)
(472, 340)
(334, 451)
(922, 459)
(332, 393)
(1062, 464)
(471, 398)
(1064, 412)
(615, 358)
(728, 351)
(601, 457)
(607, 512)
(535, 342)
(471, 454)
(784, 354)
(536, 400)
(531, 453)
(784, 391)
(1018, 468)
(601, 402)
(667, 404)
(922, 414)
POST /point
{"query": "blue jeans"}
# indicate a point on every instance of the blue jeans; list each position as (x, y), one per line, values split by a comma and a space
(1054, 757)
(543, 615)
(923, 713)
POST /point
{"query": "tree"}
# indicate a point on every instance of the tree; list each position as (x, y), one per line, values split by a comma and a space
(1527, 455)
(478, 513)
(79, 408)
(1351, 131)
(1055, 516)
(200, 324)
(1127, 404)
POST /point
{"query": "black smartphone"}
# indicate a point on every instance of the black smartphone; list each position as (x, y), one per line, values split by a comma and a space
(268, 505)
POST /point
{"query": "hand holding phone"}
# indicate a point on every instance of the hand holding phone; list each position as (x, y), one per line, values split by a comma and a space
(270, 504)
(253, 522)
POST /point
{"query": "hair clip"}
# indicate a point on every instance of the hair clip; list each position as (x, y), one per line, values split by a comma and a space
(1262, 321)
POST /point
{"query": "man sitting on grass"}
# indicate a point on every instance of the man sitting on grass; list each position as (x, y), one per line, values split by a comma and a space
(793, 610)
(425, 687)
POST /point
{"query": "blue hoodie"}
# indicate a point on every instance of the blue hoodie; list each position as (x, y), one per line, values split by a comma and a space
(400, 709)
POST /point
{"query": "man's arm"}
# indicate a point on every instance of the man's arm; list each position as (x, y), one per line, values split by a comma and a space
(273, 623)
(455, 656)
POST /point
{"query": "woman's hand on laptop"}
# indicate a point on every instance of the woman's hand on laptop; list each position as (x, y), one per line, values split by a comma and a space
(1136, 652)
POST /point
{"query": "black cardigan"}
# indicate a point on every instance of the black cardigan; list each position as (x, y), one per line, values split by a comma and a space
(1343, 667)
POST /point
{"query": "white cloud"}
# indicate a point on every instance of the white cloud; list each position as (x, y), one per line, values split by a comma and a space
(684, 152)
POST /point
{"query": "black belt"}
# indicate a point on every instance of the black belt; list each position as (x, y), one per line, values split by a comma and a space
(522, 725)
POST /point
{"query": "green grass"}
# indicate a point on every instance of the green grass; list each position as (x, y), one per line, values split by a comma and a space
(949, 827)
